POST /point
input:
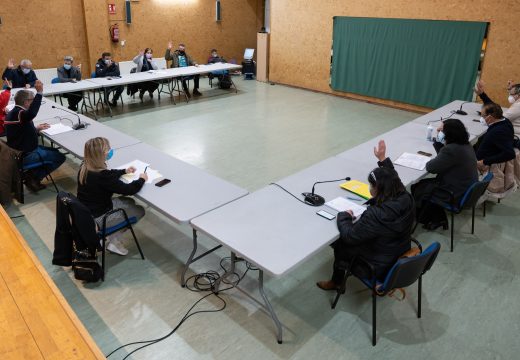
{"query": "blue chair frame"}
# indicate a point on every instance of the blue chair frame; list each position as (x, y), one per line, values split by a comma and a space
(23, 168)
(469, 200)
(405, 272)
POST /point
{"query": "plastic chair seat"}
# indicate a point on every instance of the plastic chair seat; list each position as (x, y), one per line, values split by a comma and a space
(110, 230)
(36, 165)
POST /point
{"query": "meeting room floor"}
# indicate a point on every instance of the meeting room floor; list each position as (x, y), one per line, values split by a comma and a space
(261, 134)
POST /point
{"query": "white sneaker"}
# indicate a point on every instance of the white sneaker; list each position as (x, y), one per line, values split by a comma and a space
(115, 246)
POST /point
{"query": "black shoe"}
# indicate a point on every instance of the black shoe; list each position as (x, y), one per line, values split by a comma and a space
(141, 95)
(33, 184)
(187, 92)
(432, 226)
(196, 92)
(113, 103)
(151, 94)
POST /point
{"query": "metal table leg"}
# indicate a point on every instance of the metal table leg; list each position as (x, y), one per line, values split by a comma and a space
(269, 306)
(191, 259)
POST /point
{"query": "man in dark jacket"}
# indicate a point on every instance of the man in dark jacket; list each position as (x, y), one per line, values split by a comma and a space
(23, 76)
(381, 234)
(180, 58)
(496, 145)
(22, 135)
(70, 73)
(105, 67)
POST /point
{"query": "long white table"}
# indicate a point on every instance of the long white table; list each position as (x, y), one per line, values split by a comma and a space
(276, 232)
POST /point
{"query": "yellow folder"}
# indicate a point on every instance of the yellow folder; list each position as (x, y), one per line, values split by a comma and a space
(358, 188)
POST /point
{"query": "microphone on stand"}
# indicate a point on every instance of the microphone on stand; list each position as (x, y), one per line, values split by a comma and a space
(313, 199)
(79, 125)
(460, 111)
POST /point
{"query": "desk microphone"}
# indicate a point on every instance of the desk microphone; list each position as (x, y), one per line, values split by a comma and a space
(79, 125)
(460, 111)
(313, 199)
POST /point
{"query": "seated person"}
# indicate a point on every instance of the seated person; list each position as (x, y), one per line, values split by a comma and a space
(145, 62)
(97, 184)
(382, 234)
(180, 58)
(215, 58)
(496, 145)
(22, 135)
(4, 101)
(513, 113)
(21, 77)
(105, 67)
(222, 75)
(456, 168)
(70, 73)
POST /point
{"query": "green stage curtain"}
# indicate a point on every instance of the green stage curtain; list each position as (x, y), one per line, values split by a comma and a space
(422, 62)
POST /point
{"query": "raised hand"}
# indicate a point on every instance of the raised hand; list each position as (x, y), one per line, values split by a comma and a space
(141, 53)
(10, 64)
(510, 83)
(380, 150)
(479, 88)
(38, 85)
(170, 45)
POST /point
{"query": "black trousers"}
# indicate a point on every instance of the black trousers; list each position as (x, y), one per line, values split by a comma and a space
(343, 257)
(195, 82)
(73, 99)
(118, 90)
(427, 212)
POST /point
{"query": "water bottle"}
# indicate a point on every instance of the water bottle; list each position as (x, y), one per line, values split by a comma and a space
(429, 133)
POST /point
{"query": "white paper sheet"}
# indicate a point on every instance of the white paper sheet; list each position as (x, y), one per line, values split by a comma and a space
(413, 161)
(343, 204)
(140, 168)
(56, 129)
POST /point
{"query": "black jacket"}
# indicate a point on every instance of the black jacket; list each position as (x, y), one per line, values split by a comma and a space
(496, 145)
(96, 193)
(19, 127)
(81, 231)
(102, 70)
(382, 233)
(67, 76)
(18, 78)
(456, 168)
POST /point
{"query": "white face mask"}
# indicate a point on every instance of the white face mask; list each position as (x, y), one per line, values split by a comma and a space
(511, 99)
(26, 71)
(483, 121)
(440, 137)
(107, 61)
(148, 56)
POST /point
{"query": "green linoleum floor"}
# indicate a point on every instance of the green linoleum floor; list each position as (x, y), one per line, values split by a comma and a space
(261, 134)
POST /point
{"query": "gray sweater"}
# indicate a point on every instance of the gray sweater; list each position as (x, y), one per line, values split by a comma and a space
(455, 167)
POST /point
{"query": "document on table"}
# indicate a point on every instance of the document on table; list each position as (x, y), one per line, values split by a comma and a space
(413, 161)
(342, 204)
(56, 129)
(140, 167)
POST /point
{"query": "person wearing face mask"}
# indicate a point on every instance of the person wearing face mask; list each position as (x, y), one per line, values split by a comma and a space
(70, 73)
(513, 113)
(382, 233)
(105, 67)
(22, 135)
(180, 58)
(21, 77)
(497, 144)
(145, 62)
(222, 75)
(456, 168)
(97, 184)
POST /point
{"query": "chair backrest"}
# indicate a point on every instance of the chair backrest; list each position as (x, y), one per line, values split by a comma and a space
(46, 75)
(475, 191)
(161, 63)
(55, 80)
(406, 271)
(83, 225)
(93, 75)
(126, 66)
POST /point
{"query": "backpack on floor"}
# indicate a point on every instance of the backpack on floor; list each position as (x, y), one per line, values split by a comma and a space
(225, 82)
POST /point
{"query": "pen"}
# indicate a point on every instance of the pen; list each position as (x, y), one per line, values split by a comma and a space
(146, 168)
(353, 199)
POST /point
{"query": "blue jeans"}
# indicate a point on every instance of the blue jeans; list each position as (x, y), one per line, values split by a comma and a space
(47, 154)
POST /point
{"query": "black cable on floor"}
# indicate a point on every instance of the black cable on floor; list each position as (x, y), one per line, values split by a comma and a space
(201, 283)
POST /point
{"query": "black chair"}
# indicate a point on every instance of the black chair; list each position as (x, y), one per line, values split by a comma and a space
(23, 170)
(468, 201)
(105, 231)
(404, 273)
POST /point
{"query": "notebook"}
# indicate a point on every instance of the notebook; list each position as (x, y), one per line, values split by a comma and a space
(413, 161)
(342, 204)
(358, 188)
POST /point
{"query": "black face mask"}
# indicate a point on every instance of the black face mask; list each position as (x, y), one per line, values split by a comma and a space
(182, 52)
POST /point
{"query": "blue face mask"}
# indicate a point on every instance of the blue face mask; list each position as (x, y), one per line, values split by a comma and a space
(67, 66)
(110, 154)
(440, 137)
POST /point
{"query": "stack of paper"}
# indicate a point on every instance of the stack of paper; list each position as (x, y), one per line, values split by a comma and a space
(56, 129)
(140, 168)
(413, 161)
(342, 204)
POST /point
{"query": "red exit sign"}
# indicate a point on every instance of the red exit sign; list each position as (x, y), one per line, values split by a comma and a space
(111, 9)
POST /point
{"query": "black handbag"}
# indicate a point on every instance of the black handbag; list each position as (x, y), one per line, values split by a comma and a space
(86, 267)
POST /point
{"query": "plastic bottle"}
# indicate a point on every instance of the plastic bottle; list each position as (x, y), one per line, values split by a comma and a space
(429, 133)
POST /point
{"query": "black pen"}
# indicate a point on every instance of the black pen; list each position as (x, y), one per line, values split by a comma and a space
(146, 168)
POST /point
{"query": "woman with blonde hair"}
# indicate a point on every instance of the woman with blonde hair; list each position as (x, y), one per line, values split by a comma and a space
(97, 184)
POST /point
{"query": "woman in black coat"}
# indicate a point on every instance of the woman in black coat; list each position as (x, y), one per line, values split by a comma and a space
(382, 233)
(456, 168)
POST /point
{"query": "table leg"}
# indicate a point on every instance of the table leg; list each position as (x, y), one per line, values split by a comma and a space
(269, 306)
(192, 259)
